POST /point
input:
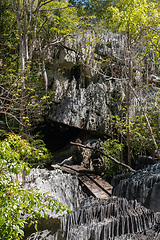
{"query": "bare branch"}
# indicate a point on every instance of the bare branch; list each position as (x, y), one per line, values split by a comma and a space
(59, 39)
(69, 49)
(46, 3)
(53, 9)
(148, 123)
(7, 123)
(155, 46)
(153, 29)
(6, 113)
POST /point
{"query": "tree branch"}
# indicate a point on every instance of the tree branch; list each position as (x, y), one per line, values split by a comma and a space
(53, 9)
(43, 4)
(6, 113)
(104, 154)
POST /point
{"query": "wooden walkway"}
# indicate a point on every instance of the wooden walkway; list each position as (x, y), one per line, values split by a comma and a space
(97, 187)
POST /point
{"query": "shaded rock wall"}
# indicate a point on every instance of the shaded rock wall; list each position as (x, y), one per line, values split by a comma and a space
(143, 185)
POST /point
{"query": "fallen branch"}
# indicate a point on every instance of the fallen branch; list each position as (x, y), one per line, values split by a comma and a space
(104, 154)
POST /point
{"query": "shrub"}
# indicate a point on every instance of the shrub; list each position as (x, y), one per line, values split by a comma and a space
(15, 202)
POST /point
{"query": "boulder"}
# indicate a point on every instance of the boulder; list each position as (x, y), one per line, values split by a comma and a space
(87, 108)
(62, 187)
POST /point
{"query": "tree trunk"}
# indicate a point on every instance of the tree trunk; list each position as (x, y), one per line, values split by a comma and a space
(45, 76)
(2, 52)
(149, 126)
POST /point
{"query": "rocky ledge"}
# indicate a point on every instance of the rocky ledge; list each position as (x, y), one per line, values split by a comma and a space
(62, 187)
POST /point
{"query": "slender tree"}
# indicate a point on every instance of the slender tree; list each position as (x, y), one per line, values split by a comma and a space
(35, 26)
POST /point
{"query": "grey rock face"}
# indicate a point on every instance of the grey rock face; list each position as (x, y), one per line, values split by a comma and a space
(99, 219)
(83, 97)
(145, 235)
(112, 44)
(87, 108)
(143, 185)
(62, 187)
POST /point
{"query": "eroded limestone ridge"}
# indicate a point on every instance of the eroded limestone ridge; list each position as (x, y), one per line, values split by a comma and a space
(116, 218)
(143, 185)
(93, 218)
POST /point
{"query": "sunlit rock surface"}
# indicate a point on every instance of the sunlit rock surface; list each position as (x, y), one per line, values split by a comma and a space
(83, 96)
(62, 187)
(86, 108)
(143, 185)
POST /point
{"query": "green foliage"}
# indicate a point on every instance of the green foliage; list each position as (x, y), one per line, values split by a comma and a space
(16, 202)
(132, 16)
(139, 20)
(140, 137)
(24, 96)
(35, 153)
(141, 140)
(113, 148)
(45, 159)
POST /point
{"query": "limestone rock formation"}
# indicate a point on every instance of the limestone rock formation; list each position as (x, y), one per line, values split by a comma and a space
(98, 219)
(143, 185)
(83, 96)
(62, 187)
(86, 108)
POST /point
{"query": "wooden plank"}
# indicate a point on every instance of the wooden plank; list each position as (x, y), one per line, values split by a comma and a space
(96, 190)
(98, 187)
(105, 185)
(77, 168)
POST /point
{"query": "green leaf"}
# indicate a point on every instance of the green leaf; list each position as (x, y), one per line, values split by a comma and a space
(45, 215)
(36, 227)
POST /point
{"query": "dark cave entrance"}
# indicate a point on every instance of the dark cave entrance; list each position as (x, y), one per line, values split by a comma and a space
(57, 137)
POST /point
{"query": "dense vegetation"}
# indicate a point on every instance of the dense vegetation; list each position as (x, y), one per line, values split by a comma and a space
(28, 28)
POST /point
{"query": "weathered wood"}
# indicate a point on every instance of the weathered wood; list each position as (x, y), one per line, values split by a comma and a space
(104, 154)
(98, 187)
